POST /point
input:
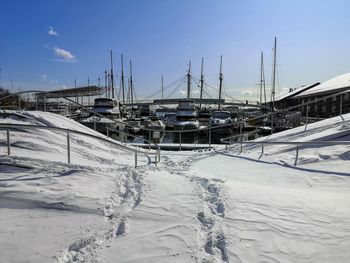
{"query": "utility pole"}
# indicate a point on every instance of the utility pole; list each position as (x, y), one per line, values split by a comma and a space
(112, 80)
(221, 76)
(202, 83)
(189, 81)
(122, 79)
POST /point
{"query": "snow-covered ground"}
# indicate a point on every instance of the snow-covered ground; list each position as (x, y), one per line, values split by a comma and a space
(198, 206)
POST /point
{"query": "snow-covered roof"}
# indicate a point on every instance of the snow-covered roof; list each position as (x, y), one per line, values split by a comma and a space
(296, 91)
(338, 83)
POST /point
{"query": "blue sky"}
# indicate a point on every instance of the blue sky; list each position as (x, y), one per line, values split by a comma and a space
(162, 36)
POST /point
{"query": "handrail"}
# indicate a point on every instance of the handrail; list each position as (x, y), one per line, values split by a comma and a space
(237, 123)
(91, 111)
(296, 143)
(68, 131)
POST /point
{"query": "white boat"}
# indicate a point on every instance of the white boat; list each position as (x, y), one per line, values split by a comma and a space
(186, 116)
(219, 118)
(108, 116)
(107, 107)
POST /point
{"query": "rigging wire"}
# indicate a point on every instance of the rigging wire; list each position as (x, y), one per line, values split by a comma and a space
(165, 88)
(6, 65)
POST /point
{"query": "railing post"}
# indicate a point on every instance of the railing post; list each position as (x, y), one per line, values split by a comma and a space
(271, 123)
(135, 159)
(94, 122)
(209, 139)
(180, 140)
(8, 142)
(68, 147)
(226, 147)
(296, 155)
(155, 159)
(149, 140)
(307, 114)
(107, 132)
(241, 143)
(262, 151)
(341, 106)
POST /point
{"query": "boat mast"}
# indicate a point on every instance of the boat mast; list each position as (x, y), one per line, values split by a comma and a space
(109, 84)
(202, 82)
(162, 88)
(131, 87)
(106, 83)
(189, 81)
(221, 76)
(122, 79)
(112, 81)
(273, 91)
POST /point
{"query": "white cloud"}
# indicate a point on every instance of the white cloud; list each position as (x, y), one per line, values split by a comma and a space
(43, 77)
(64, 55)
(52, 32)
(246, 92)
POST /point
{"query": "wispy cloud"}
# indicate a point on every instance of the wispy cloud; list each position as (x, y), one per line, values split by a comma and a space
(52, 32)
(43, 77)
(64, 55)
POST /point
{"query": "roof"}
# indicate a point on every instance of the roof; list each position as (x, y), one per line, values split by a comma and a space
(72, 92)
(296, 91)
(336, 84)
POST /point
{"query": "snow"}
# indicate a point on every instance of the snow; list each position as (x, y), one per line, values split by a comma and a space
(335, 84)
(194, 206)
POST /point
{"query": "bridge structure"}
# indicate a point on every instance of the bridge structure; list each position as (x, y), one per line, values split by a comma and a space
(206, 101)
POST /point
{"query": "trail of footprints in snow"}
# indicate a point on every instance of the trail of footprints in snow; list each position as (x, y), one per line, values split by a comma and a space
(122, 202)
(213, 210)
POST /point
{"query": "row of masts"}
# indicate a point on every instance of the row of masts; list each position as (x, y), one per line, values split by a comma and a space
(189, 82)
(125, 95)
(128, 95)
(262, 84)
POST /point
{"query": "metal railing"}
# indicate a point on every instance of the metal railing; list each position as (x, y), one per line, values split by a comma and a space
(296, 144)
(95, 114)
(8, 127)
(238, 124)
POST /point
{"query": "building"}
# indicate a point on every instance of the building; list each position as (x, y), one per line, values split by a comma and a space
(328, 103)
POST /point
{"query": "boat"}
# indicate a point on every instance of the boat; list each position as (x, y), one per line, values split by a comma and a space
(186, 116)
(107, 107)
(221, 118)
(108, 116)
